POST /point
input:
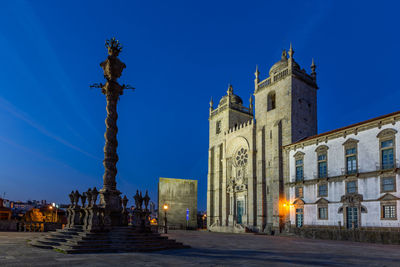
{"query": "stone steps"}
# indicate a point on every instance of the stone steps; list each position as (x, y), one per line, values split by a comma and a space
(121, 239)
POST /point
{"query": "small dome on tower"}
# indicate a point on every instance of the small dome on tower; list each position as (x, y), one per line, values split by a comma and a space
(234, 99)
(283, 63)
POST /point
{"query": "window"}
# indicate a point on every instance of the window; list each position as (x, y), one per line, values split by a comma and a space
(271, 101)
(241, 157)
(299, 192)
(323, 213)
(322, 161)
(389, 211)
(387, 151)
(351, 187)
(322, 166)
(351, 160)
(323, 190)
(218, 127)
(387, 156)
(388, 184)
(299, 170)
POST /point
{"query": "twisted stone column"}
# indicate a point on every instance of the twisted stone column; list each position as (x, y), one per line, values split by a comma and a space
(109, 195)
(111, 143)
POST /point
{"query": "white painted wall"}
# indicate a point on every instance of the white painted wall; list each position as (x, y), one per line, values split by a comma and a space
(368, 158)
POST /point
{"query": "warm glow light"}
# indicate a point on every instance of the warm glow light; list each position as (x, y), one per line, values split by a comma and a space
(51, 207)
(165, 206)
(284, 204)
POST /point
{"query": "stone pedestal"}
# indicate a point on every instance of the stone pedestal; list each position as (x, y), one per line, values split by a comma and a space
(110, 201)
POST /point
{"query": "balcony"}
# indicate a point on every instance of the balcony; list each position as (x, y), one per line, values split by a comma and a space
(387, 166)
(322, 175)
(346, 171)
(298, 179)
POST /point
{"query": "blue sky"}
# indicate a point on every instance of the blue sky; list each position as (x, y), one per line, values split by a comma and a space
(178, 54)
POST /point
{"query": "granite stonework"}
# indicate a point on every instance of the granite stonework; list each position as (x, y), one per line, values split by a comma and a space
(104, 227)
(246, 168)
(181, 197)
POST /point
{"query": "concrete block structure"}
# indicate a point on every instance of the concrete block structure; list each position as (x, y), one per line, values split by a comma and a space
(181, 197)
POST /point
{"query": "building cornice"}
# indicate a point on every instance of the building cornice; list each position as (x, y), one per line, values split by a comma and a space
(377, 122)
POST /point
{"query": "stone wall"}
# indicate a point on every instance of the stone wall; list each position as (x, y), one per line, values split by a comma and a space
(8, 226)
(179, 195)
(372, 235)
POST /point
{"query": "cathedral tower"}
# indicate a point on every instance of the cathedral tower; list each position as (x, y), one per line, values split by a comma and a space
(285, 112)
(228, 117)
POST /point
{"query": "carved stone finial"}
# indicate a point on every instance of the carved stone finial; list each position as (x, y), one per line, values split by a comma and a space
(71, 197)
(125, 201)
(95, 193)
(83, 199)
(137, 199)
(313, 67)
(291, 51)
(76, 197)
(230, 89)
(140, 200)
(257, 73)
(113, 46)
(89, 197)
(284, 55)
(146, 199)
(211, 103)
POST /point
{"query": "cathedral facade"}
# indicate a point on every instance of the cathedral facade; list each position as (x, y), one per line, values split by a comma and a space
(247, 166)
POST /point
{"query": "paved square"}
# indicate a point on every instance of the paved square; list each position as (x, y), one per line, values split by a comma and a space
(211, 249)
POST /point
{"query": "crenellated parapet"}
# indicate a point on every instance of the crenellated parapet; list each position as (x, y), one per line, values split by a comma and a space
(241, 127)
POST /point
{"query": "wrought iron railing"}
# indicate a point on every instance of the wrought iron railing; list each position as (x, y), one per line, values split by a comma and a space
(387, 165)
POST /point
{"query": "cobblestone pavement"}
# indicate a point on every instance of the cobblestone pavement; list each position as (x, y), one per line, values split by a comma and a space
(211, 249)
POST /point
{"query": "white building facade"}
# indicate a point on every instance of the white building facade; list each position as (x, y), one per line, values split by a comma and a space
(347, 177)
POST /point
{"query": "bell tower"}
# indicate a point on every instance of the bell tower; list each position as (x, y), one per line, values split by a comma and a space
(229, 115)
(285, 112)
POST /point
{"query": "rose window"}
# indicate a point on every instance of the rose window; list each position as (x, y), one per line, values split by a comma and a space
(241, 157)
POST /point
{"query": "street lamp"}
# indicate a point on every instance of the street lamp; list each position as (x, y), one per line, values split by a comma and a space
(204, 218)
(51, 208)
(56, 207)
(165, 207)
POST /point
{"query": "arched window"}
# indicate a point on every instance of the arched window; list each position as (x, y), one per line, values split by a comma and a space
(271, 100)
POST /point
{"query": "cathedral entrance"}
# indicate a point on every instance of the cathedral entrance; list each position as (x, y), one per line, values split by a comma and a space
(240, 209)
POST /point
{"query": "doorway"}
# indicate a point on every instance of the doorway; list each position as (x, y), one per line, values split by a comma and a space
(240, 209)
(299, 217)
(352, 217)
